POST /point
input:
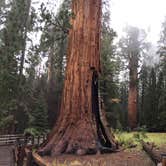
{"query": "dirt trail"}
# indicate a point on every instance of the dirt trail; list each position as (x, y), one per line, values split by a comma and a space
(6, 156)
(136, 158)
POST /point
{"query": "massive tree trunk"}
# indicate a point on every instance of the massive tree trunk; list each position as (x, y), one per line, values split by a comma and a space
(133, 92)
(79, 128)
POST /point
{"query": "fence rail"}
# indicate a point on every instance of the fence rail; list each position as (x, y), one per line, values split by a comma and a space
(11, 139)
(21, 139)
(19, 143)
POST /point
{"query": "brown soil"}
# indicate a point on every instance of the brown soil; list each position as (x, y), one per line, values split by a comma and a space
(6, 156)
(134, 158)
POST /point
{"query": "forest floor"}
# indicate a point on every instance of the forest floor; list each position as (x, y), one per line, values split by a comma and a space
(132, 155)
(123, 158)
(6, 156)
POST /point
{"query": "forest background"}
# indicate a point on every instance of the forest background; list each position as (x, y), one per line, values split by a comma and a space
(33, 41)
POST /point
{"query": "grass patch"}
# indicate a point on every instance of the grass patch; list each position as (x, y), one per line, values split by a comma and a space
(158, 138)
(129, 139)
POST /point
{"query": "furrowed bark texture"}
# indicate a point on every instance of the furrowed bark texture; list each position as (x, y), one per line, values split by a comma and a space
(79, 128)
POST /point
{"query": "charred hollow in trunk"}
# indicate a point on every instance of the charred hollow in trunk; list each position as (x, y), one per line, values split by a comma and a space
(103, 140)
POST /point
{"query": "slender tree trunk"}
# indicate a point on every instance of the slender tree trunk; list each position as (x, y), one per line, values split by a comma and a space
(24, 29)
(24, 35)
(55, 81)
(51, 98)
(79, 128)
(133, 93)
(142, 116)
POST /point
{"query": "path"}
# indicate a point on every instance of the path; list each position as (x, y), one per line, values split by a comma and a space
(6, 156)
(135, 158)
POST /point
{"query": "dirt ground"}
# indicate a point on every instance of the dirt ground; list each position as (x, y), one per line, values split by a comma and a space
(123, 158)
(6, 156)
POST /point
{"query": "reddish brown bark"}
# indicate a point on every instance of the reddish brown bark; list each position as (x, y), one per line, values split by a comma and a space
(133, 92)
(79, 128)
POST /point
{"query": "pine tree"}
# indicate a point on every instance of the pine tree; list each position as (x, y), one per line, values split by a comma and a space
(109, 70)
(162, 78)
(53, 43)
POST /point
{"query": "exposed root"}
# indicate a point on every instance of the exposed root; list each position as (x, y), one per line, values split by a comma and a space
(80, 138)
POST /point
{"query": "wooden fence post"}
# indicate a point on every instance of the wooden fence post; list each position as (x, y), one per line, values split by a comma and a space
(33, 139)
(21, 155)
(38, 141)
(29, 157)
(43, 138)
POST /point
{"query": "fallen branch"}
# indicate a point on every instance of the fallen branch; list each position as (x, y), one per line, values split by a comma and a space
(149, 148)
(39, 160)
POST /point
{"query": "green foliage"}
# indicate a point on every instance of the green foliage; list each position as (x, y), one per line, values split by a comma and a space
(17, 88)
(10, 46)
(152, 112)
(130, 139)
(153, 90)
(6, 122)
(139, 137)
(56, 27)
(26, 90)
(23, 80)
(124, 140)
(39, 115)
(110, 63)
(32, 131)
(133, 139)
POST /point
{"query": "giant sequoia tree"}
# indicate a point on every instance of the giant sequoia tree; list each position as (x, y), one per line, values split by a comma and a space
(132, 46)
(79, 128)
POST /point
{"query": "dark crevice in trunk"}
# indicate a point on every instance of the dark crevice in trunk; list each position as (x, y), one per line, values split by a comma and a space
(103, 141)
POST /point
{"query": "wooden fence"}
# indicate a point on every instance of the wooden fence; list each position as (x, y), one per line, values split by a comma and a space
(21, 142)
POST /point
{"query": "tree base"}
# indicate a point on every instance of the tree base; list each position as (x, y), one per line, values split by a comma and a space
(80, 138)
